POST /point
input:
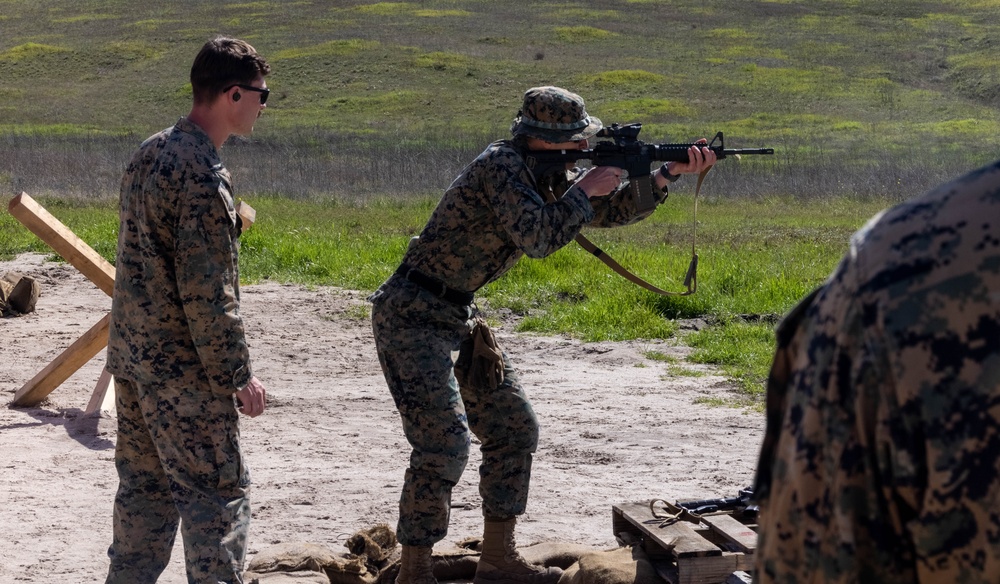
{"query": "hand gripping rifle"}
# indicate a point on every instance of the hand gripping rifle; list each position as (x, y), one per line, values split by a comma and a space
(627, 152)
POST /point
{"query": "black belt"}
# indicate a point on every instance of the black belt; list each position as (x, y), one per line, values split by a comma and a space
(435, 287)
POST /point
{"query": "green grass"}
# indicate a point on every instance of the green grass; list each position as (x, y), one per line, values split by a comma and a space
(377, 105)
(119, 65)
(757, 259)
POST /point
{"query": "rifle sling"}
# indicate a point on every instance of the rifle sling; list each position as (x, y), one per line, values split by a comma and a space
(690, 279)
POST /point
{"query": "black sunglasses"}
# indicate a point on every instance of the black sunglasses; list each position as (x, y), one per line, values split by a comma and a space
(262, 91)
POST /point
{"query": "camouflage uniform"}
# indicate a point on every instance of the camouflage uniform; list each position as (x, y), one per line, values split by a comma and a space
(178, 353)
(880, 459)
(490, 216)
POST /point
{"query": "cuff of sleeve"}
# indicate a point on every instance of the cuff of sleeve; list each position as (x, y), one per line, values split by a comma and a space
(578, 198)
(240, 378)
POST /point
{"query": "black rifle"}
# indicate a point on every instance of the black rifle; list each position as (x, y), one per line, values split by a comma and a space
(740, 502)
(626, 151)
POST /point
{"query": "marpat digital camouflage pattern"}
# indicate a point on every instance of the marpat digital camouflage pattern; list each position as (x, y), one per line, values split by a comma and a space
(175, 313)
(555, 115)
(881, 459)
(178, 353)
(197, 474)
(490, 216)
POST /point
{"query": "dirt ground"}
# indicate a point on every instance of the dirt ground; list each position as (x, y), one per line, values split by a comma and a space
(328, 455)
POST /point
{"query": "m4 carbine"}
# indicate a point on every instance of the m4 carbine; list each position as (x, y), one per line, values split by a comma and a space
(626, 151)
(742, 502)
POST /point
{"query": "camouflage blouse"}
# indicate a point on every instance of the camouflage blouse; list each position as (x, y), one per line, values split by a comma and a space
(494, 212)
(881, 458)
(175, 311)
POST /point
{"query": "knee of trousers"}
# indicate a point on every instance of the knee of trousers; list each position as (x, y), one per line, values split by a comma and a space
(444, 464)
(452, 465)
(517, 434)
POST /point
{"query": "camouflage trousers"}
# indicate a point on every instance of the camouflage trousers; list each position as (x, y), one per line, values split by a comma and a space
(179, 462)
(416, 334)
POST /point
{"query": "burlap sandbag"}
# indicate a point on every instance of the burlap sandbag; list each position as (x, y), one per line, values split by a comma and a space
(286, 578)
(626, 565)
(480, 360)
(18, 294)
(555, 554)
(293, 557)
(371, 550)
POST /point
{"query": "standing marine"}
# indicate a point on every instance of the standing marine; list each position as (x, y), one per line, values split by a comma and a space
(177, 345)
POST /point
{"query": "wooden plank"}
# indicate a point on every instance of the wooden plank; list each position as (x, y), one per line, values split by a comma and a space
(59, 370)
(679, 538)
(102, 399)
(732, 530)
(73, 249)
(707, 570)
(247, 215)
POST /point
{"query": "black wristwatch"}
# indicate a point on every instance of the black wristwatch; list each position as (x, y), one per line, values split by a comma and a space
(665, 173)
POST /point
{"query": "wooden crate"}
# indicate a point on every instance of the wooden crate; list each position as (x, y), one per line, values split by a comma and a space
(687, 553)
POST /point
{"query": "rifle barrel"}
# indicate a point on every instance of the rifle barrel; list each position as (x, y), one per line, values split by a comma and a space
(730, 152)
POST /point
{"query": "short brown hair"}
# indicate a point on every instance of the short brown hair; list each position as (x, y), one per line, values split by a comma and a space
(222, 63)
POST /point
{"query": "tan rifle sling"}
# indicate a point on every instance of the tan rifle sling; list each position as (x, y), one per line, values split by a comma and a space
(690, 279)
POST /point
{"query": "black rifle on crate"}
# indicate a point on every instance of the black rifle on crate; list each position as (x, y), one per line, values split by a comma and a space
(741, 502)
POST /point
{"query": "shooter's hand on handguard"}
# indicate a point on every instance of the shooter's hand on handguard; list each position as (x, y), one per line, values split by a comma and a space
(698, 160)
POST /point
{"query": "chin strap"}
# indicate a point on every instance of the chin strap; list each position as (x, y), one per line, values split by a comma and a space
(690, 279)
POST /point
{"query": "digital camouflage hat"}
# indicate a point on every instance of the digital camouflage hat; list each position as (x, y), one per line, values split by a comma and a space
(554, 115)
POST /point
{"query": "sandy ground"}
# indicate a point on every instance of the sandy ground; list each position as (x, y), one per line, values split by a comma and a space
(328, 455)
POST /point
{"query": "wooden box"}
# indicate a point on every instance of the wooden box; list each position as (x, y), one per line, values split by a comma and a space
(709, 552)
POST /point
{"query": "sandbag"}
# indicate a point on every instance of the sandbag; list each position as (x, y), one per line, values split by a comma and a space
(555, 554)
(285, 578)
(626, 565)
(18, 294)
(293, 557)
(371, 550)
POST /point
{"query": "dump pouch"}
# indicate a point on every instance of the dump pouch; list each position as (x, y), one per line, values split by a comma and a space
(480, 361)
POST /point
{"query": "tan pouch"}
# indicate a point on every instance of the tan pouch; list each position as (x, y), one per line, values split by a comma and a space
(480, 360)
(24, 296)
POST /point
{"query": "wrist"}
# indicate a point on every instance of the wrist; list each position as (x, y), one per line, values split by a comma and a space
(665, 173)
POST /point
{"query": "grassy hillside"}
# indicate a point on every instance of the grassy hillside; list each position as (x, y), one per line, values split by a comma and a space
(858, 97)
(864, 102)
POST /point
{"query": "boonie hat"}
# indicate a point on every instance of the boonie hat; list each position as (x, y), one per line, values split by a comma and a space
(554, 115)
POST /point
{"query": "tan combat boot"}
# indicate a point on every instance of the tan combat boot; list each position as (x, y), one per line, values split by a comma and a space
(415, 566)
(500, 563)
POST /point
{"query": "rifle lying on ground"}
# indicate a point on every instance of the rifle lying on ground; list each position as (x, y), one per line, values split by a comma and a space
(741, 502)
(626, 151)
